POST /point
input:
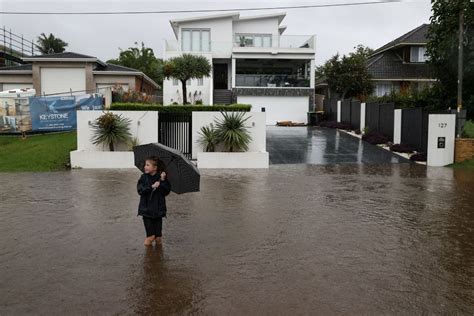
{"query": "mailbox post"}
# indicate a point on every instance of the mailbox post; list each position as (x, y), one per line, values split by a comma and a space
(441, 136)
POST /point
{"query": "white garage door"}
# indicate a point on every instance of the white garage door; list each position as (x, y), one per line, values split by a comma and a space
(293, 109)
(63, 80)
(12, 86)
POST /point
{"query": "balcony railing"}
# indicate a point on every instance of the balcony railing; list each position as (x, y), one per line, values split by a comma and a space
(270, 81)
(284, 41)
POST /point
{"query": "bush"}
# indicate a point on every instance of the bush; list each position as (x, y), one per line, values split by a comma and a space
(402, 148)
(375, 138)
(358, 131)
(468, 131)
(179, 108)
(109, 129)
(418, 157)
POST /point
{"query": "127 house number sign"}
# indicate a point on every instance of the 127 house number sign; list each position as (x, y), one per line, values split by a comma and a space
(442, 125)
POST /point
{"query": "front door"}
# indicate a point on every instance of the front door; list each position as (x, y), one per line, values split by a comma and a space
(220, 76)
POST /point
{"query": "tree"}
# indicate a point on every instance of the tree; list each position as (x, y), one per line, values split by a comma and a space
(187, 67)
(348, 75)
(143, 59)
(50, 44)
(442, 50)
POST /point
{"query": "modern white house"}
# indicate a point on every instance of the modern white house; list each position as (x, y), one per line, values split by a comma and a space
(252, 63)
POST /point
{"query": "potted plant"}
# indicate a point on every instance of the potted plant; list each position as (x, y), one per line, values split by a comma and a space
(242, 41)
(208, 138)
(109, 129)
(232, 132)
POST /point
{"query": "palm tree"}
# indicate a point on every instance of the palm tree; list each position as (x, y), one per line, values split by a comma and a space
(187, 67)
(50, 44)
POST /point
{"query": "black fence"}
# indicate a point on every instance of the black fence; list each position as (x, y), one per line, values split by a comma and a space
(415, 128)
(330, 109)
(175, 131)
(379, 117)
(346, 111)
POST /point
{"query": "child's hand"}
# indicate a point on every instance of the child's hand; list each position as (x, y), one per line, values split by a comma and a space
(155, 185)
(163, 176)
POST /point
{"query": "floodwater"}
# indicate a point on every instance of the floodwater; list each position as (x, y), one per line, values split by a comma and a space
(294, 239)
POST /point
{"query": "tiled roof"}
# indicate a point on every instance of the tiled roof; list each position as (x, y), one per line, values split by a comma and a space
(112, 67)
(415, 36)
(17, 68)
(63, 55)
(388, 65)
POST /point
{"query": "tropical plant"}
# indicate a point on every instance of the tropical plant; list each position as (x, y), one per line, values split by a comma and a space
(208, 138)
(50, 44)
(232, 132)
(348, 75)
(132, 142)
(187, 67)
(143, 59)
(109, 129)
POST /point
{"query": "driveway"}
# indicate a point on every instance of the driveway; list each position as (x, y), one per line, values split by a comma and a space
(321, 146)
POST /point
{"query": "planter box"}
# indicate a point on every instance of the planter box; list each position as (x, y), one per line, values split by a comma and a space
(102, 159)
(464, 149)
(235, 160)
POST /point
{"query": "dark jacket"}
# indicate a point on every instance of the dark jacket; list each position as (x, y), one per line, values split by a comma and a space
(152, 201)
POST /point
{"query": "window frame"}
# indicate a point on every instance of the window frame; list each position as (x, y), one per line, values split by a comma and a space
(200, 30)
(252, 36)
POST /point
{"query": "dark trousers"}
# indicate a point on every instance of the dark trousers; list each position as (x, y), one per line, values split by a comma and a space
(153, 226)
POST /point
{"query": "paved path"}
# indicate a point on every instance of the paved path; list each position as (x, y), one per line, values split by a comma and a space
(321, 146)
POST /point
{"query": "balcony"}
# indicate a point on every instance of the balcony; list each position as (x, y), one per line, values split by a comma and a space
(290, 43)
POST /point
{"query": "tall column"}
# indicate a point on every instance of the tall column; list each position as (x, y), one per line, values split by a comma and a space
(234, 65)
(312, 74)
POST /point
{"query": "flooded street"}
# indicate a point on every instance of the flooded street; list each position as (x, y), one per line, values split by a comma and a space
(294, 239)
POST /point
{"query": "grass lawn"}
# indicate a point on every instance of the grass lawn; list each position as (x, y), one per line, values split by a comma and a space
(468, 164)
(468, 130)
(37, 152)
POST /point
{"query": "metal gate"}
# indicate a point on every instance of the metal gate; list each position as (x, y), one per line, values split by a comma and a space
(175, 131)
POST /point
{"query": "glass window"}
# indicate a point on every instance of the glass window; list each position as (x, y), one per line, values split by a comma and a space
(382, 89)
(175, 82)
(206, 41)
(196, 41)
(200, 81)
(188, 82)
(418, 54)
(258, 42)
(186, 41)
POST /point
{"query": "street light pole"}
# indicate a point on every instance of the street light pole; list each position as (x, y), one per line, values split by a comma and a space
(460, 57)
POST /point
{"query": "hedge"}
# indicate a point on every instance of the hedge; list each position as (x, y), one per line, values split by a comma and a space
(178, 108)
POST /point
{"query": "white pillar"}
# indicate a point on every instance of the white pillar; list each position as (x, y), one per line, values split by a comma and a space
(362, 116)
(397, 126)
(441, 132)
(233, 72)
(339, 111)
(312, 74)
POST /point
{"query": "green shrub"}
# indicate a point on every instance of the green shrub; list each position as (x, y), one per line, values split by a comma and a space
(109, 129)
(208, 138)
(232, 132)
(179, 108)
(468, 131)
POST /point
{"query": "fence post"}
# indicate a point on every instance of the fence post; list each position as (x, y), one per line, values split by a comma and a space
(339, 111)
(362, 116)
(397, 126)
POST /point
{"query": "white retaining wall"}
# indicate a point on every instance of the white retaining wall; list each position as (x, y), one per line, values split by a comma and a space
(256, 125)
(144, 125)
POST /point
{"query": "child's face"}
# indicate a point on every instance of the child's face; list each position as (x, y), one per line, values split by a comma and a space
(150, 167)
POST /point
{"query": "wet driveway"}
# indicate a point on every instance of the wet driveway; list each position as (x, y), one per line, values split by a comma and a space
(291, 240)
(320, 146)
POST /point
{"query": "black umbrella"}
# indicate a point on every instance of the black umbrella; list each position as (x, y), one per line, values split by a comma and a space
(183, 176)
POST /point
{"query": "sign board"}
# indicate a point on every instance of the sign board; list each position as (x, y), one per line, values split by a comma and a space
(441, 135)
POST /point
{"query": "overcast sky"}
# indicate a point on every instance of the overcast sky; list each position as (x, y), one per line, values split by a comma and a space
(338, 29)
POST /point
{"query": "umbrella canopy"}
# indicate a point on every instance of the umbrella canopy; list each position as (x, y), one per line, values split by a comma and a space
(183, 176)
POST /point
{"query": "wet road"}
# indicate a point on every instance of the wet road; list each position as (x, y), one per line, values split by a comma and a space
(320, 146)
(294, 239)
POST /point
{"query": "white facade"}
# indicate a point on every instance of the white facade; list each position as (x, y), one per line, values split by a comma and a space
(246, 53)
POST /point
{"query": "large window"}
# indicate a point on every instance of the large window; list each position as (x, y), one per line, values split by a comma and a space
(385, 88)
(253, 40)
(273, 73)
(196, 40)
(418, 54)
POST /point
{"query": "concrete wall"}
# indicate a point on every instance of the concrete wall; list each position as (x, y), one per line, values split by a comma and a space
(22, 79)
(279, 108)
(144, 125)
(256, 125)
